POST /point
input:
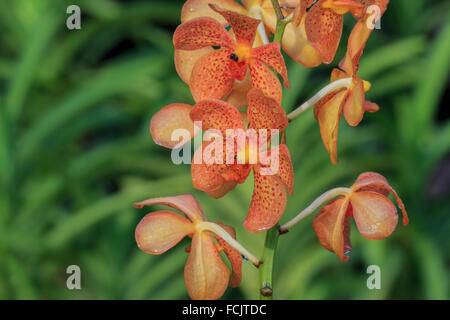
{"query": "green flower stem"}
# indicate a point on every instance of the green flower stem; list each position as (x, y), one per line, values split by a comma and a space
(267, 266)
(281, 21)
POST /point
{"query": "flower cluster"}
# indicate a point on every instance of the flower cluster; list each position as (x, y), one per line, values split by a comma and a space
(223, 52)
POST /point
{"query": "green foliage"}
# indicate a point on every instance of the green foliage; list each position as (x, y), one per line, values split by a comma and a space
(75, 153)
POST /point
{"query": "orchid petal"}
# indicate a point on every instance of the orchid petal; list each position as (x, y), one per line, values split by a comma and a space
(296, 45)
(267, 204)
(217, 114)
(338, 74)
(263, 78)
(355, 47)
(324, 30)
(265, 112)
(201, 32)
(374, 214)
(185, 61)
(354, 103)
(159, 231)
(243, 26)
(200, 8)
(328, 112)
(233, 256)
(270, 54)
(211, 77)
(332, 227)
(185, 203)
(168, 119)
(214, 178)
(372, 181)
(205, 274)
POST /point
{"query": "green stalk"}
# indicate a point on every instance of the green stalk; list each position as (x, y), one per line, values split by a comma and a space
(281, 22)
(266, 268)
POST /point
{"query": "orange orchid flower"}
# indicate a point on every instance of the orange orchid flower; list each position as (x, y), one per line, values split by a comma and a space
(185, 60)
(206, 275)
(213, 76)
(269, 195)
(314, 35)
(350, 100)
(367, 202)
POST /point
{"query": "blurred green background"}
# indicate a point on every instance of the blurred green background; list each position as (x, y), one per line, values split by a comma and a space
(75, 153)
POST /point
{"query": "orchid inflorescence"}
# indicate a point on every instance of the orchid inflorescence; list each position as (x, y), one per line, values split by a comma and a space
(223, 52)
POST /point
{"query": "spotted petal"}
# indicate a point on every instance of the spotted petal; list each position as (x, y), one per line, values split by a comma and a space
(200, 8)
(374, 214)
(161, 230)
(201, 32)
(185, 61)
(211, 77)
(185, 203)
(214, 178)
(217, 114)
(324, 29)
(169, 119)
(264, 112)
(243, 27)
(270, 54)
(332, 227)
(263, 78)
(205, 274)
(267, 204)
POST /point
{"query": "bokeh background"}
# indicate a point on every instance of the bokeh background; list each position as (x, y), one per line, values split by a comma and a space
(75, 153)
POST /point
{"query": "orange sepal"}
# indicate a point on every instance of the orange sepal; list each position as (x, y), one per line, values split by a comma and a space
(286, 170)
(354, 103)
(263, 78)
(374, 214)
(332, 227)
(214, 178)
(323, 29)
(242, 26)
(167, 120)
(211, 77)
(185, 61)
(201, 32)
(185, 203)
(233, 256)
(217, 114)
(328, 112)
(372, 181)
(267, 204)
(355, 47)
(265, 112)
(271, 55)
(205, 274)
(200, 8)
(344, 6)
(159, 231)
